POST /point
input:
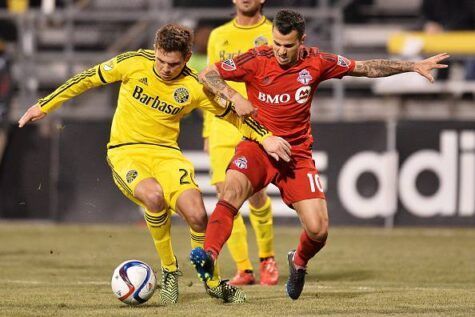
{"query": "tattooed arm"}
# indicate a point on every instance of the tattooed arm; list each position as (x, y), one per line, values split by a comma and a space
(212, 80)
(382, 68)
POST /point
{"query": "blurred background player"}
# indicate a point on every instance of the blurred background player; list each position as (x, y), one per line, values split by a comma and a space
(157, 91)
(250, 28)
(441, 16)
(281, 81)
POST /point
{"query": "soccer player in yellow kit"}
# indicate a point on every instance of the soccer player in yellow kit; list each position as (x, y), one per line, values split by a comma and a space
(157, 90)
(247, 30)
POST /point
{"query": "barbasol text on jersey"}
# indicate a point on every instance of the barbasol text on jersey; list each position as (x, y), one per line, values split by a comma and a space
(154, 102)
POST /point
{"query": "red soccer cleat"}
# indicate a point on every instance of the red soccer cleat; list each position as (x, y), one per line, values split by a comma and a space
(269, 272)
(243, 278)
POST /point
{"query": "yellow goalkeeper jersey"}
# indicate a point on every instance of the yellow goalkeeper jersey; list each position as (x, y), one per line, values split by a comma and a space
(149, 109)
(227, 41)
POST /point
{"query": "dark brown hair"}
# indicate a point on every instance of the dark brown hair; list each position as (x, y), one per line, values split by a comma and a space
(288, 20)
(174, 38)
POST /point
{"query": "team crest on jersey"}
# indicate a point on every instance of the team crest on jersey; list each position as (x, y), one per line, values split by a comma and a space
(343, 62)
(304, 77)
(241, 162)
(228, 65)
(302, 94)
(108, 67)
(181, 95)
(131, 175)
(261, 40)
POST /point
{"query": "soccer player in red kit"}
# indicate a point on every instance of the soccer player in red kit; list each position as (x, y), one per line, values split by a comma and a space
(280, 82)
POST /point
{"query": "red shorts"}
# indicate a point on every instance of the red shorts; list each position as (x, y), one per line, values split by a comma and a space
(296, 180)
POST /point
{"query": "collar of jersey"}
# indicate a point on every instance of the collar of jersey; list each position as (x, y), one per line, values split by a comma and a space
(264, 19)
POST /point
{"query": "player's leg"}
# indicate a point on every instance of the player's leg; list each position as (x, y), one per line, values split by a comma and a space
(222, 143)
(238, 248)
(301, 188)
(132, 175)
(157, 216)
(249, 171)
(190, 206)
(261, 221)
(158, 219)
(314, 218)
(237, 188)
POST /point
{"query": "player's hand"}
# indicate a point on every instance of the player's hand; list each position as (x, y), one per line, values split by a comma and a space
(425, 66)
(277, 148)
(33, 114)
(206, 145)
(242, 106)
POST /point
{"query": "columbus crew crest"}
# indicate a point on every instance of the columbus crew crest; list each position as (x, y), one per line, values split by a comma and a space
(261, 40)
(131, 175)
(181, 95)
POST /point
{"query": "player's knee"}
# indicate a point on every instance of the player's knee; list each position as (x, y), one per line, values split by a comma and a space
(233, 194)
(259, 199)
(154, 201)
(318, 231)
(197, 222)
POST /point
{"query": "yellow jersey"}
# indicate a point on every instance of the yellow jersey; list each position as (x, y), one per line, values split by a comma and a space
(149, 109)
(227, 41)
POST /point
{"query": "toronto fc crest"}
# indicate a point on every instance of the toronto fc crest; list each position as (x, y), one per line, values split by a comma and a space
(241, 162)
(304, 77)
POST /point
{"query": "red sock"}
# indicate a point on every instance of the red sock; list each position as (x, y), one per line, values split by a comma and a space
(307, 249)
(220, 225)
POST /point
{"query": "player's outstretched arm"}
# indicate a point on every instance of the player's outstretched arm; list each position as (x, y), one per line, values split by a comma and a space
(33, 114)
(382, 67)
(213, 81)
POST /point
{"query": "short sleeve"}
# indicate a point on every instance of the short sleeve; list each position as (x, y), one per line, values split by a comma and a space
(334, 66)
(240, 68)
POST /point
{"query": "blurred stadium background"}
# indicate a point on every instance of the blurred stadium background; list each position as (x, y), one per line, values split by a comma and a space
(395, 152)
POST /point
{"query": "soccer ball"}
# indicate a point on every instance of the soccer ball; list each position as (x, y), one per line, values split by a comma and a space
(133, 282)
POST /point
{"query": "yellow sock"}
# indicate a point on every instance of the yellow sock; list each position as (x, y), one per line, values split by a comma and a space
(159, 225)
(198, 240)
(261, 221)
(237, 244)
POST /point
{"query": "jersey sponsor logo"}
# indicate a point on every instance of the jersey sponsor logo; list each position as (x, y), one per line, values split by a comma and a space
(260, 40)
(343, 61)
(155, 102)
(108, 67)
(241, 162)
(273, 99)
(144, 81)
(228, 65)
(302, 94)
(304, 77)
(181, 95)
(131, 175)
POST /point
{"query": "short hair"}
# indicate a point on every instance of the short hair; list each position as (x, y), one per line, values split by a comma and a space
(174, 38)
(288, 20)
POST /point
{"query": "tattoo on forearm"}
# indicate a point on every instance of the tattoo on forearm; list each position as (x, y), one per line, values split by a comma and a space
(382, 68)
(217, 85)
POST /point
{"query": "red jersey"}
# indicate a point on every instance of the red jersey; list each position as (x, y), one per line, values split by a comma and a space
(284, 96)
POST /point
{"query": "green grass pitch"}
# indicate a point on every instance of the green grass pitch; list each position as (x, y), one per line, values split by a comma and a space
(65, 270)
